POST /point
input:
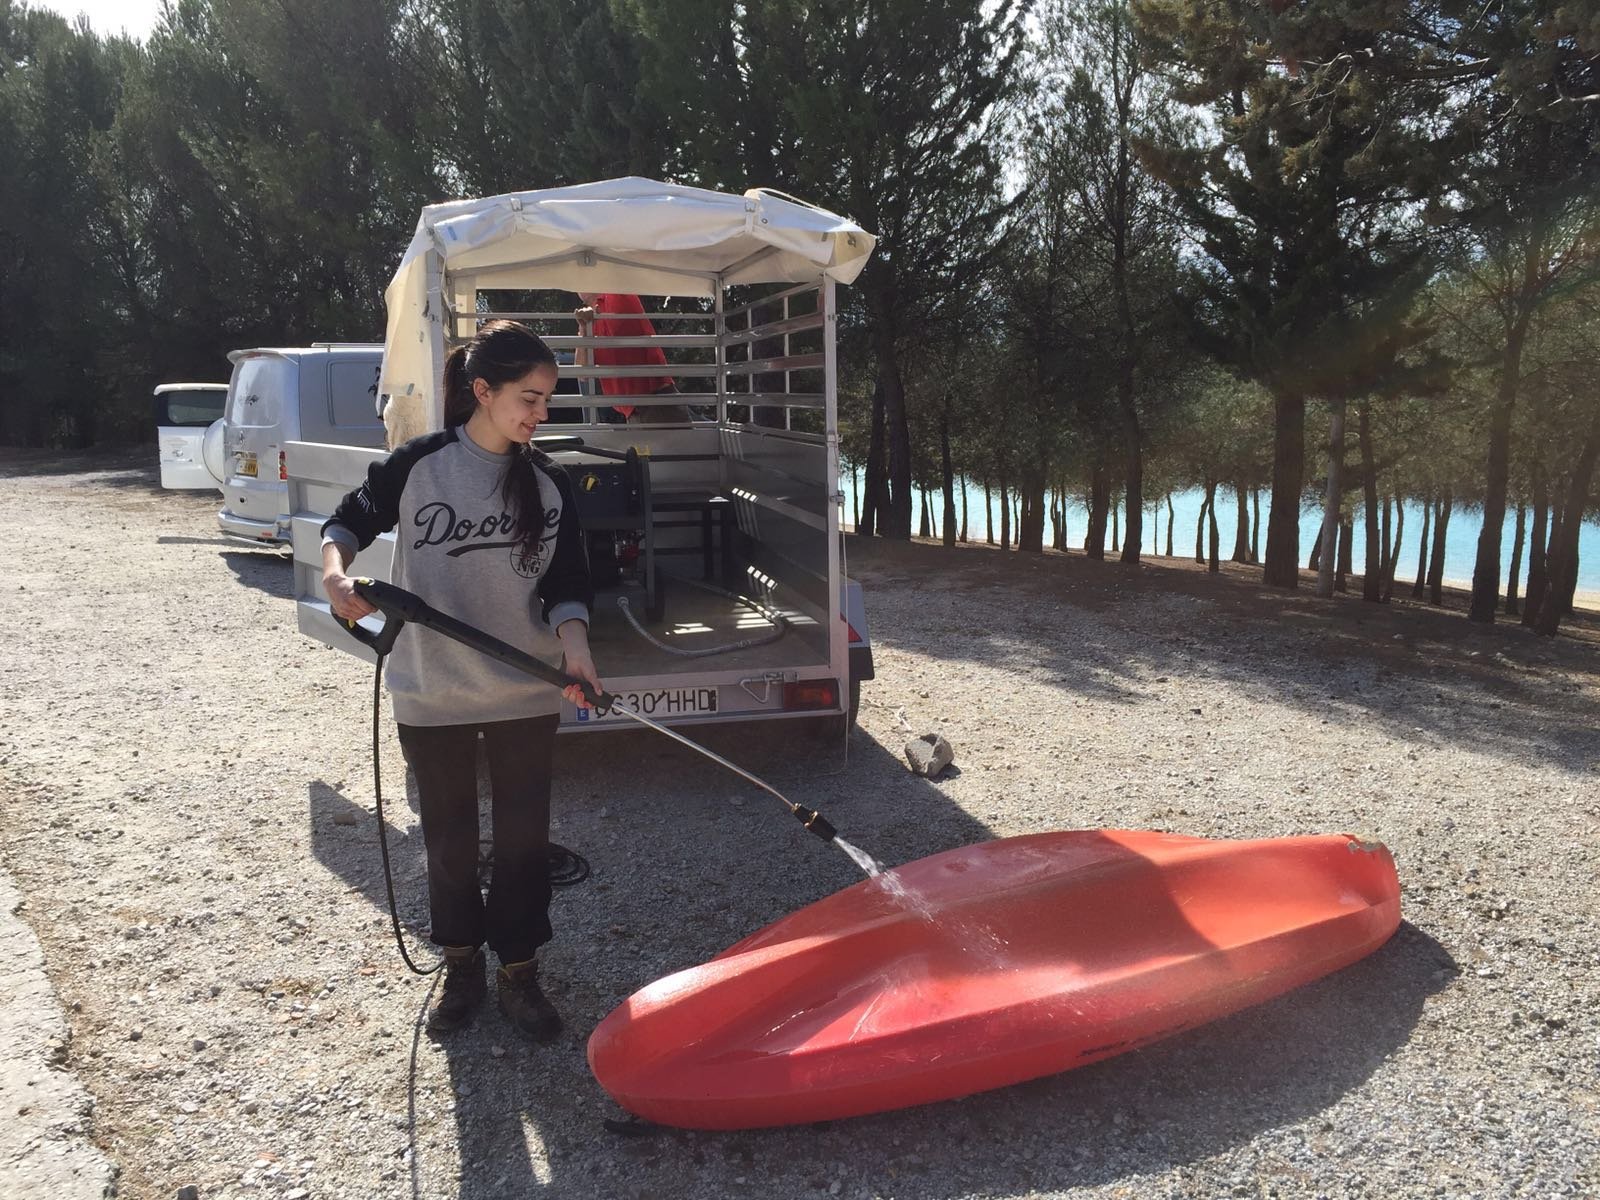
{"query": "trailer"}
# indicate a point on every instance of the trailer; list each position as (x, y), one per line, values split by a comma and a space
(713, 514)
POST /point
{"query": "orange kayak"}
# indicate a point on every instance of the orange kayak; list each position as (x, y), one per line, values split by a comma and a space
(988, 965)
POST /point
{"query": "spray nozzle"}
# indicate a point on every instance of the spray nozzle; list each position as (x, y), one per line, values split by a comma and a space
(815, 822)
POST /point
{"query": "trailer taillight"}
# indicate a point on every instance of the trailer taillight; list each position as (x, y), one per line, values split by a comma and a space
(283, 466)
(811, 693)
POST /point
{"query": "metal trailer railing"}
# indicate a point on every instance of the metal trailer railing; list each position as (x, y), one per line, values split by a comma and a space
(770, 448)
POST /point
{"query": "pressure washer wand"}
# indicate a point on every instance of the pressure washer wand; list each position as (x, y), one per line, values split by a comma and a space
(809, 817)
(399, 606)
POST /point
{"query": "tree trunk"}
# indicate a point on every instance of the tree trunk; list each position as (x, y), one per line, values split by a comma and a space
(1549, 594)
(1241, 534)
(855, 495)
(1005, 514)
(1114, 538)
(1200, 533)
(1211, 510)
(1030, 523)
(988, 514)
(925, 522)
(1562, 562)
(1171, 518)
(1133, 467)
(1385, 538)
(963, 508)
(1314, 562)
(947, 467)
(1394, 552)
(1486, 572)
(1421, 585)
(1333, 501)
(1282, 567)
(1538, 558)
(1515, 573)
(1347, 538)
(1094, 540)
(1255, 526)
(1385, 552)
(874, 507)
(1441, 524)
(1372, 572)
(894, 519)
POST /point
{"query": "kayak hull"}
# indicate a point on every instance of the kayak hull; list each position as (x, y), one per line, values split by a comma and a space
(988, 965)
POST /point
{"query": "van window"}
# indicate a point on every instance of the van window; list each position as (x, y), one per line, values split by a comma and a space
(260, 383)
(354, 390)
(195, 409)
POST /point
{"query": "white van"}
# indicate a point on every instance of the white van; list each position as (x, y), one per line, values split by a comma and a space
(185, 414)
(327, 392)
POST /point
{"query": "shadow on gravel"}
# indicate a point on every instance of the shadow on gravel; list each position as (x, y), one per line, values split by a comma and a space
(686, 858)
(1183, 1101)
(1191, 1098)
(269, 571)
(1108, 633)
(128, 467)
(344, 839)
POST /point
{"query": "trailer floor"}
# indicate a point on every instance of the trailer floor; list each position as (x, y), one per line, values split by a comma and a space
(695, 619)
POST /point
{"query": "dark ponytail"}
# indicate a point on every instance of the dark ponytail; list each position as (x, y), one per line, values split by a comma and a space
(500, 352)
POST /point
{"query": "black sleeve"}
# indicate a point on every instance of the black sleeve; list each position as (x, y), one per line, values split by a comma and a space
(567, 579)
(374, 507)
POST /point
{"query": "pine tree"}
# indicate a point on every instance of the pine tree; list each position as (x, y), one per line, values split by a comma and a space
(1099, 97)
(1526, 188)
(1320, 127)
(877, 108)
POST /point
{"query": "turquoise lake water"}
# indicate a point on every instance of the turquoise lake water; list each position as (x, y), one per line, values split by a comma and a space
(1461, 543)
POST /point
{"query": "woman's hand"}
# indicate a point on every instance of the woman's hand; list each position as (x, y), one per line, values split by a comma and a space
(343, 597)
(578, 662)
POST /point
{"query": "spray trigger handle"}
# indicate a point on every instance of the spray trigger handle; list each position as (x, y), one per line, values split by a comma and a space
(600, 701)
(382, 641)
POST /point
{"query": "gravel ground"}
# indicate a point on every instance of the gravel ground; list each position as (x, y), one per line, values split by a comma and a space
(185, 794)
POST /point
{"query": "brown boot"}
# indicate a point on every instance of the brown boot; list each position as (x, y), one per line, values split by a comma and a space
(463, 989)
(524, 1002)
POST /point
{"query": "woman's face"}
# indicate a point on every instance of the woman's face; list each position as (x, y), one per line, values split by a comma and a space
(515, 409)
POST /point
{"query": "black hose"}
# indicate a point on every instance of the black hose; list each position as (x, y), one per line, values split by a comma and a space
(567, 867)
(383, 834)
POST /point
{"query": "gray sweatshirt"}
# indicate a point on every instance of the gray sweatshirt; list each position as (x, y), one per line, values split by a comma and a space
(456, 547)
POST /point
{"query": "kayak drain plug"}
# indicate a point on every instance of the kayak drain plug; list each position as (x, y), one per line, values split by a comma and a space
(815, 822)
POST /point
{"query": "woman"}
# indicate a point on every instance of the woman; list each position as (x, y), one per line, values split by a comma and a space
(488, 532)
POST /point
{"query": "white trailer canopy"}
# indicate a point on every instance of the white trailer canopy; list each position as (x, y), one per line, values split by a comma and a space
(620, 235)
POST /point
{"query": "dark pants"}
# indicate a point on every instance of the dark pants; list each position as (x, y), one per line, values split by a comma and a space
(516, 920)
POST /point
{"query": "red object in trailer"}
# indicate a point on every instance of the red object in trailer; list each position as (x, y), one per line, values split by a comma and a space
(988, 965)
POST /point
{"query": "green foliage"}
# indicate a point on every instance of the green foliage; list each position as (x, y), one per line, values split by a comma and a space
(1320, 144)
(1078, 212)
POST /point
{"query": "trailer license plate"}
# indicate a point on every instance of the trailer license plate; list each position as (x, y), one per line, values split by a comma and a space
(660, 703)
